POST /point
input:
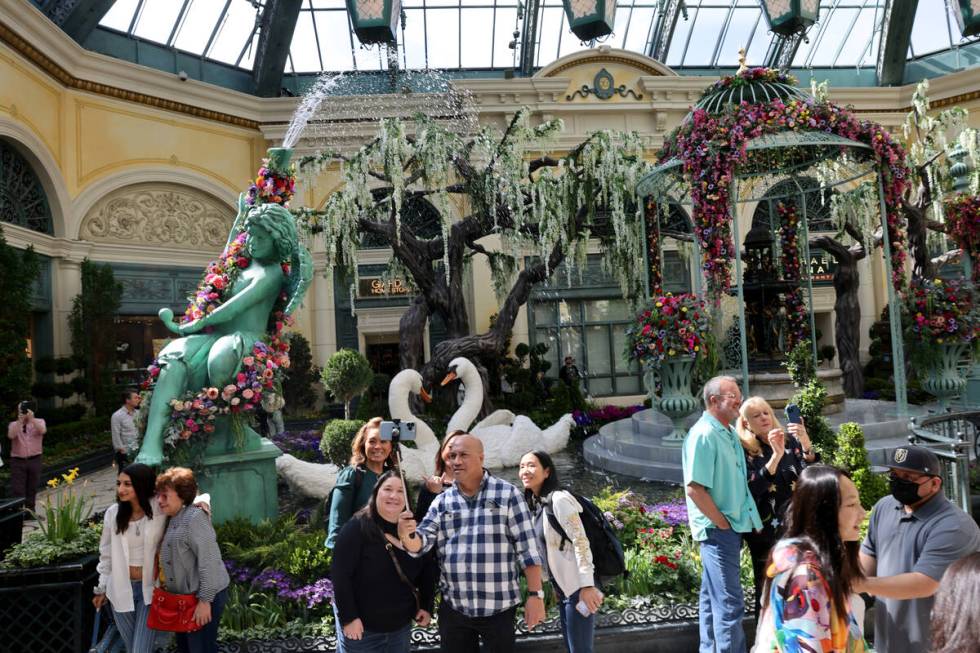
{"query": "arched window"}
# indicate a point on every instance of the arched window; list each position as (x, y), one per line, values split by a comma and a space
(22, 198)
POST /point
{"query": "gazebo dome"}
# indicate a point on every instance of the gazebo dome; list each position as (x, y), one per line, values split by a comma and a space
(752, 85)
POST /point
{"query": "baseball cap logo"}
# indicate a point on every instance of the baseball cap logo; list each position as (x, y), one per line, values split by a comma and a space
(901, 455)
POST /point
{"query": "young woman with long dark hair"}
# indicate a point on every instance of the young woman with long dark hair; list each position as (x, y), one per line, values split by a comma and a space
(131, 532)
(435, 484)
(813, 570)
(568, 564)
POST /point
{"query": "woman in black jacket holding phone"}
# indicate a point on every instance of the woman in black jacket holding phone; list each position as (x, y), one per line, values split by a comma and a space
(379, 589)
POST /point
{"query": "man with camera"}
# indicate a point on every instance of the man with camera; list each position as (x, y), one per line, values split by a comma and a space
(26, 435)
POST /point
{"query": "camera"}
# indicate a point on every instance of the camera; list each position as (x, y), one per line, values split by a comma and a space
(25, 406)
(397, 431)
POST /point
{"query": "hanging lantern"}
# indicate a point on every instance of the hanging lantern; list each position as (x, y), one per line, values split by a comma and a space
(789, 17)
(375, 21)
(968, 16)
(590, 19)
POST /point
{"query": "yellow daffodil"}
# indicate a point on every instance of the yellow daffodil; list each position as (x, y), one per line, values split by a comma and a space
(53, 483)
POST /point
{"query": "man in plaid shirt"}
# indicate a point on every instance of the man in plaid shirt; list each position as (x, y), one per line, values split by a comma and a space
(482, 531)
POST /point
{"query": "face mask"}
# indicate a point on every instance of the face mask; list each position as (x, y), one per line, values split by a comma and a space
(905, 492)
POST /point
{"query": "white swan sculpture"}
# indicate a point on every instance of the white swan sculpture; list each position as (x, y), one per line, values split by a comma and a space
(316, 480)
(505, 436)
(420, 461)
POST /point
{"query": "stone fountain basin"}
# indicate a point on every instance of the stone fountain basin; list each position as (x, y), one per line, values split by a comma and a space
(635, 447)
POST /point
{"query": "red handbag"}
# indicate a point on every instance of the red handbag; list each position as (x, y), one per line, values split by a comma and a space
(172, 612)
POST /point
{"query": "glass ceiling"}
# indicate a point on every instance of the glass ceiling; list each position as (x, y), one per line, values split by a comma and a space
(478, 34)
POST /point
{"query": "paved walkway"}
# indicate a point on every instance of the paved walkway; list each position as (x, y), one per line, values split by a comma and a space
(100, 485)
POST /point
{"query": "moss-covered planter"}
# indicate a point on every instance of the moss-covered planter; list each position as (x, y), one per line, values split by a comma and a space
(49, 609)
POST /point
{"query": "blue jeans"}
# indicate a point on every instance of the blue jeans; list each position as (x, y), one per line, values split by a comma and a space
(577, 630)
(722, 603)
(136, 635)
(205, 640)
(398, 641)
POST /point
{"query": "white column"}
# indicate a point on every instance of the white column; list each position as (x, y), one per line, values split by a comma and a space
(66, 284)
(323, 336)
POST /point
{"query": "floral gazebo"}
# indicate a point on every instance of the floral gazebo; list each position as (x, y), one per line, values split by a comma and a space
(757, 137)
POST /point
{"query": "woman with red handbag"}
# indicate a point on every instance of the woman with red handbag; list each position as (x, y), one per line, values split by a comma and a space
(195, 580)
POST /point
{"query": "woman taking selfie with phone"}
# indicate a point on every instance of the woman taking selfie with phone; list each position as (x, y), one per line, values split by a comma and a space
(775, 458)
(379, 589)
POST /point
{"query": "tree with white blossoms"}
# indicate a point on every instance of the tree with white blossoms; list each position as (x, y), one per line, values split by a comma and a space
(932, 137)
(545, 209)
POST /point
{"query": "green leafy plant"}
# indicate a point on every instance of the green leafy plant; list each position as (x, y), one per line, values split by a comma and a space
(297, 388)
(800, 365)
(20, 269)
(38, 551)
(851, 455)
(93, 331)
(64, 510)
(337, 438)
(346, 375)
(811, 400)
(827, 352)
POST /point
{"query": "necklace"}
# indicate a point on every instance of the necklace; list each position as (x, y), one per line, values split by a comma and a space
(137, 524)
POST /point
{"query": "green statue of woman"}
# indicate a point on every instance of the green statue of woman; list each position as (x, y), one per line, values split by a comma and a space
(211, 349)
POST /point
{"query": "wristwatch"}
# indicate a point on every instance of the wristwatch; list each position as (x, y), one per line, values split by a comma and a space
(538, 593)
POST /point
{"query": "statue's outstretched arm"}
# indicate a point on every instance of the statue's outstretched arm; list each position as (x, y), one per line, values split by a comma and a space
(300, 279)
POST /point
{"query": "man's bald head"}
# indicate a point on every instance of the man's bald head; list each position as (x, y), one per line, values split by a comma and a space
(466, 462)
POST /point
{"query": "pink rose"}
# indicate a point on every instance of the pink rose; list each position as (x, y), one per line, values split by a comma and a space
(235, 401)
(212, 393)
(247, 393)
(248, 361)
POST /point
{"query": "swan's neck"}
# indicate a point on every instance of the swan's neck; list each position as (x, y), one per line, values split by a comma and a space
(472, 400)
(400, 410)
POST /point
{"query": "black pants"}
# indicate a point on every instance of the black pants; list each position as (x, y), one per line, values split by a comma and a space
(462, 634)
(25, 476)
(121, 461)
(759, 547)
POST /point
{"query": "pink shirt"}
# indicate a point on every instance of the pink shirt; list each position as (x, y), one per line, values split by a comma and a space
(26, 444)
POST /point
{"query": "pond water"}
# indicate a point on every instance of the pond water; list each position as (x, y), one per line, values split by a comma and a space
(581, 477)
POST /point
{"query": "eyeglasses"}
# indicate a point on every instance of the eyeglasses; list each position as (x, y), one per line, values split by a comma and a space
(730, 395)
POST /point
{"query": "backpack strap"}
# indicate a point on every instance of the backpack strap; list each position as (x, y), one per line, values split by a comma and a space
(555, 524)
(358, 478)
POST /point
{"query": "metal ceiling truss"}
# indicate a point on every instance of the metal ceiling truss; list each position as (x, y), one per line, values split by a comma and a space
(663, 31)
(896, 33)
(78, 18)
(529, 41)
(276, 27)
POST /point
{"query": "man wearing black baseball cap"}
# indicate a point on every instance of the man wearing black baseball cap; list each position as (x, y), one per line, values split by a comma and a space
(913, 535)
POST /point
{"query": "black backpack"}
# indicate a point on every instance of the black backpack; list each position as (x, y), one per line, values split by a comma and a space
(607, 552)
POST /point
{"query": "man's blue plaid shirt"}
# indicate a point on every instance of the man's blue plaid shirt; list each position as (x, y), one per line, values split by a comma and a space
(482, 543)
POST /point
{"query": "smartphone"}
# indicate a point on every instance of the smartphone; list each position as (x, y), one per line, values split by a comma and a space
(403, 431)
(793, 414)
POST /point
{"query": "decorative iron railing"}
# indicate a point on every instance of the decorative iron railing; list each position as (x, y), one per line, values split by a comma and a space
(953, 438)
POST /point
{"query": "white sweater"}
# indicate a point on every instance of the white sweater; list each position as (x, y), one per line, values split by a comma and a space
(572, 568)
(114, 562)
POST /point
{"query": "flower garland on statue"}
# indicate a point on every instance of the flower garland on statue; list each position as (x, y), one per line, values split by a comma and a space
(797, 318)
(262, 370)
(963, 224)
(672, 327)
(713, 146)
(937, 312)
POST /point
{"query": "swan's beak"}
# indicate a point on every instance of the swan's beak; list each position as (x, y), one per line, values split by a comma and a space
(426, 397)
(449, 378)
